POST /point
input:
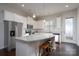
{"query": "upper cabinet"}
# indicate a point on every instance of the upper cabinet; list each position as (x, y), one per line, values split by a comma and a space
(58, 24)
(19, 18)
(30, 21)
(39, 24)
(9, 16)
(34, 24)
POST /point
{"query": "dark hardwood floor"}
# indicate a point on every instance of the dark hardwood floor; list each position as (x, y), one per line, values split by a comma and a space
(5, 52)
(65, 49)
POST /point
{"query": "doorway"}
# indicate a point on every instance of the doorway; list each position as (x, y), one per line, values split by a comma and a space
(69, 29)
(69, 22)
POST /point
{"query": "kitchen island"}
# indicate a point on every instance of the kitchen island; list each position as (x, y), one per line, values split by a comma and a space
(29, 45)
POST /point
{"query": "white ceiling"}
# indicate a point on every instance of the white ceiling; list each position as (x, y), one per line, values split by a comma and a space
(43, 9)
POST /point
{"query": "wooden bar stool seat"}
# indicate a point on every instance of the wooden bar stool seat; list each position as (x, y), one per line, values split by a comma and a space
(48, 47)
(43, 47)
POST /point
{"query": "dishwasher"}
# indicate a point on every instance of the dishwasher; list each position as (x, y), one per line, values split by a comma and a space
(57, 38)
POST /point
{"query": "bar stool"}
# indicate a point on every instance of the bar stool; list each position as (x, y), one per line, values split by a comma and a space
(43, 47)
(47, 47)
(51, 46)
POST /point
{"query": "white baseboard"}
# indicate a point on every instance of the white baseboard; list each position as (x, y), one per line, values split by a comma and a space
(69, 41)
(2, 47)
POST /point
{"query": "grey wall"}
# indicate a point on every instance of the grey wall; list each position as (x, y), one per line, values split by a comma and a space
(78, 26)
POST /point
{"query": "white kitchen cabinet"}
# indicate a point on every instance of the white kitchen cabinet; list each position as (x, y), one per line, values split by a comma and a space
(9, 16)
(34, 24)
(40, 24)
(58, 23)
(30, 21)
(25, 23)
(19, 18)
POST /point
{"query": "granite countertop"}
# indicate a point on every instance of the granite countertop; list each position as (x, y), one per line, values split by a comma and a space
(35, 37)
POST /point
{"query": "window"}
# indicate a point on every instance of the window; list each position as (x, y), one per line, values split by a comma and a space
(69, 27)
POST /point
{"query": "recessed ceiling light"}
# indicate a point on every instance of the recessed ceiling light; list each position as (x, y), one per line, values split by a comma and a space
(66, 5)
(22, 5)
(34, 15)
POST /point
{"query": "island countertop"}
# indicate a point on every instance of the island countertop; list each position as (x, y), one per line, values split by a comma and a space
(35, 37)
(29, 45)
